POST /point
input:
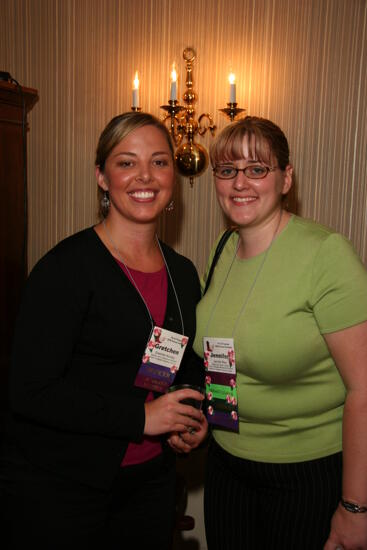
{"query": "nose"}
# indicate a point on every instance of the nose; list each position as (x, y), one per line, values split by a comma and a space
(240, 181)
(144, 174)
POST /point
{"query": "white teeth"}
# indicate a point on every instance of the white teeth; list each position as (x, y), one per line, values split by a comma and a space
(143, 194)
(244, 199)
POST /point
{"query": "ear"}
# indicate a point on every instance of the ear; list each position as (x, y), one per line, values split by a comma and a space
(287, 184)
(101, 180)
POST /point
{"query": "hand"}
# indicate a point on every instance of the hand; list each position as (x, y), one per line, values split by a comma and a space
(166, 414)
(348, 531)
(186, 441)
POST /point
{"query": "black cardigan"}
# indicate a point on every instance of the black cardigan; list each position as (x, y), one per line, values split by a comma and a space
(79, 340)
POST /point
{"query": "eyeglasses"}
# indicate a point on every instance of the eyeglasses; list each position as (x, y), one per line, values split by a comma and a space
(253, 171)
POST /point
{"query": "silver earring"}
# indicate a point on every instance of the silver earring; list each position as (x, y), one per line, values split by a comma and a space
(105, 201)
(170, 206)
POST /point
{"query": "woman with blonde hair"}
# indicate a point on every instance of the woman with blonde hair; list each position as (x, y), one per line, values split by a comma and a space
(90, 463)
(287, 300)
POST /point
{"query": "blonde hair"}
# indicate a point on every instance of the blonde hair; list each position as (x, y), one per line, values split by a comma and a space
(115, 131)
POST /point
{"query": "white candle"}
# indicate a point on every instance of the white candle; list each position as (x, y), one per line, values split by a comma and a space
(173, 94)
(232, 88)
(136, 90)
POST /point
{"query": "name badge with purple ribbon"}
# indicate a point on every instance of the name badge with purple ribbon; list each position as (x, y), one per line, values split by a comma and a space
(161, 360)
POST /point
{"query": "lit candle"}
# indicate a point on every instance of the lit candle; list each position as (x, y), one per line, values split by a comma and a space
(232, 88)
(136, 91)
(173, 94)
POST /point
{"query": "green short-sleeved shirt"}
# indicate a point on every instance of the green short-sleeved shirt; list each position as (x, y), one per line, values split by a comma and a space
(290, 393)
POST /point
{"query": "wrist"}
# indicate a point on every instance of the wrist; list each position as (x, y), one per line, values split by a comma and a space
(352, 506)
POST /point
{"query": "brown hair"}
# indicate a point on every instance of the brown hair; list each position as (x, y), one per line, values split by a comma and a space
(115, 131)
(265, 139)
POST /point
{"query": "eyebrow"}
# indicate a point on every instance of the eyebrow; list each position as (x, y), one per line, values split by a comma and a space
(128, 153)
(253, 161)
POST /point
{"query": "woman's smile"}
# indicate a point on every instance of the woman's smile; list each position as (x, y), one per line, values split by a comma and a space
(143, 196)
(243, 200)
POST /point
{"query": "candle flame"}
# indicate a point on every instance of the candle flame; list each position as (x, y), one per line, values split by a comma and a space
(136, 81)
(173, 74)
(232, 78)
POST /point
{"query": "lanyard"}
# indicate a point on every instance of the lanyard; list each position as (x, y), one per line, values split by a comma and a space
(133, 281)
(252, 285)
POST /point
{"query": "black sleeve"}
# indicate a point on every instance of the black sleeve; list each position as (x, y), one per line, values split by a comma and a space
(42, 390)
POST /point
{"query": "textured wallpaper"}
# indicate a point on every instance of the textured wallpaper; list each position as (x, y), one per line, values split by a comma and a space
(301, 63)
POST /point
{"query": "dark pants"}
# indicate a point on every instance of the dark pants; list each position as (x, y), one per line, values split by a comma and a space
(259, 506)
(52, 513)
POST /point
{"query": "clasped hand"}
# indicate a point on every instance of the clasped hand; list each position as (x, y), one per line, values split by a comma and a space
(186, 425)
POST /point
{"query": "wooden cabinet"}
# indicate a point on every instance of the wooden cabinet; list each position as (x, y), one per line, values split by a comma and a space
(15, 104)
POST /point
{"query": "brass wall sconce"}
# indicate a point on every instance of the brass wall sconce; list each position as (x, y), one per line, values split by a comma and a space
(191, 157)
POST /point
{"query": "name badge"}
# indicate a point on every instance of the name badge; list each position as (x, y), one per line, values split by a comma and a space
(220, 383)
(161, 360)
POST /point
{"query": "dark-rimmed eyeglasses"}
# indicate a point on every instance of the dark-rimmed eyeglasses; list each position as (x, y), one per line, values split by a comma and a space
(253, 171)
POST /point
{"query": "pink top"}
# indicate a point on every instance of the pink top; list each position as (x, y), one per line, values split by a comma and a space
(153, 287)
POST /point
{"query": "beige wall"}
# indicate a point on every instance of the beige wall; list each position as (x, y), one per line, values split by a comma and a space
(301, 63)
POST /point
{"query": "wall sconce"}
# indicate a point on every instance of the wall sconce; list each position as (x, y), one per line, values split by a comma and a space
(191, 157)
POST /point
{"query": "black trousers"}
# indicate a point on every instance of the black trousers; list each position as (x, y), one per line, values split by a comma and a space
(51, 513)
(259, 506)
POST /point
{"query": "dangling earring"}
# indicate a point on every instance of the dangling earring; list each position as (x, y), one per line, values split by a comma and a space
(170, 206)
(105, 201)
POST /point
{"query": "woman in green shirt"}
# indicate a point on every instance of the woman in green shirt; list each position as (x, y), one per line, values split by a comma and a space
(291, 296)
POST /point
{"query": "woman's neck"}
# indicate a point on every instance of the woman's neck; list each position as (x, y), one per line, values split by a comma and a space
(255, 240)
(134, 244)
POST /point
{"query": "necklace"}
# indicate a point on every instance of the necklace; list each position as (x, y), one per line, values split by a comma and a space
(259, 270)
(116, 250)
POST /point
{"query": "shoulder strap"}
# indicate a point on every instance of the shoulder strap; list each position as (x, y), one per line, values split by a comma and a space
(224, 238)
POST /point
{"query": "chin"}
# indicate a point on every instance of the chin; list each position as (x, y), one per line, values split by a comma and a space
(148, 218)
(241, 221)
(146, 215)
